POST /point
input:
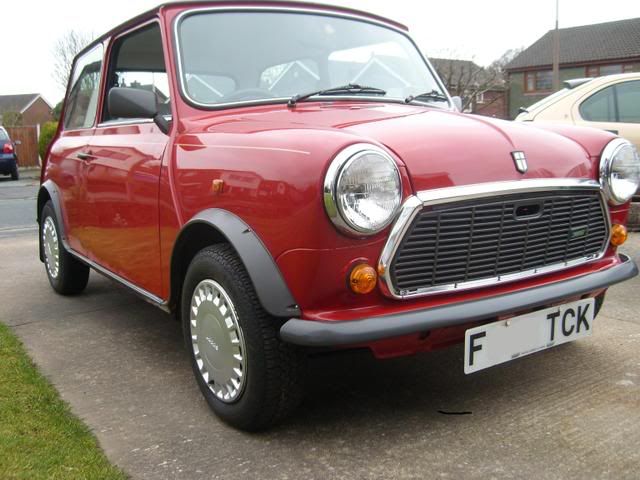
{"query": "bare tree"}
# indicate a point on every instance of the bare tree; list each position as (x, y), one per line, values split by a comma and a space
(501, 63)
(64, 51)
(469, 80)
(11, 119)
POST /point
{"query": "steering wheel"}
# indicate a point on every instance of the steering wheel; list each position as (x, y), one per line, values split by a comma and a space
(249, 94)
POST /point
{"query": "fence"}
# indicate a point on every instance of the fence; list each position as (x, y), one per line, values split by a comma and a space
(27, 150)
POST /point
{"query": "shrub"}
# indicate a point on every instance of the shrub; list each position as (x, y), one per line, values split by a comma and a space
(47, 132)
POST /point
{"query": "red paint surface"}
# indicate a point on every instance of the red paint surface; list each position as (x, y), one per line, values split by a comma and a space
(125, 206)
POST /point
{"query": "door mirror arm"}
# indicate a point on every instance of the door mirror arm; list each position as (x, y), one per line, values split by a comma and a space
(163, 122)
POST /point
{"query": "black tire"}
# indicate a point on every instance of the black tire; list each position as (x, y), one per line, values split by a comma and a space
(274, 370)
(15, 174)
(71, 276)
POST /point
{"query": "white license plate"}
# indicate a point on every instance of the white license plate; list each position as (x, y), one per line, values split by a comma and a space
(506, 340)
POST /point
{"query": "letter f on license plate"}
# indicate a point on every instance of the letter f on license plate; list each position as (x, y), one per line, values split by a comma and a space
(506, 340)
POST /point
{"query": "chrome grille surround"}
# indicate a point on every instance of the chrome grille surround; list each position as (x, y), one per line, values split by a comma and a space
(414, 204)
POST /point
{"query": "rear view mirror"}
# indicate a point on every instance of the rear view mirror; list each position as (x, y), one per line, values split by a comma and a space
(132, 103)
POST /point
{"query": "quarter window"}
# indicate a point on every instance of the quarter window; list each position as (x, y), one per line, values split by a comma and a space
(82, 103)
(600, 107)
(629, 102)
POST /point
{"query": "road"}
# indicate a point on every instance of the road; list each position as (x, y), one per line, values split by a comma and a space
(570, 412)
(18, 204)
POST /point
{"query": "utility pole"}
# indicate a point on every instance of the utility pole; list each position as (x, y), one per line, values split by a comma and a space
(556, 52)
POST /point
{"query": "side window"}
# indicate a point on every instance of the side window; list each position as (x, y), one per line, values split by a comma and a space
(600, 107)
(629, 101)
(137, 61)
(82, 103)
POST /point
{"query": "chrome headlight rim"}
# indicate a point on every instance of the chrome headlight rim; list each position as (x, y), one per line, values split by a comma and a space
(339, 164)
(606, 161)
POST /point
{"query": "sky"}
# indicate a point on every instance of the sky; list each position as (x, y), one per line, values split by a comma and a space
(465, 29)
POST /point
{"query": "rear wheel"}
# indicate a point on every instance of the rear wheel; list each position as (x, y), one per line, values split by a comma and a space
(15, 174)
(66, 274)
(249, 377)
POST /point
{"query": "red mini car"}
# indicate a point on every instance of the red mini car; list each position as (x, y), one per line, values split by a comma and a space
(288, 177)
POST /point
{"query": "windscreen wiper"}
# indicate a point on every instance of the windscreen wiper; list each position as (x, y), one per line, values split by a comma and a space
(351, 88)
(432, 95)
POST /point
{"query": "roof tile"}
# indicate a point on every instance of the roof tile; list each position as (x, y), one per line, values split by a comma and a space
(588, 43)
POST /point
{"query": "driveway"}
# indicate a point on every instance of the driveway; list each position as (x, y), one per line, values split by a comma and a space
(570, 412)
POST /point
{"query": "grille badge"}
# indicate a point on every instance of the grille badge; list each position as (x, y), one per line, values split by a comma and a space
(520, 161)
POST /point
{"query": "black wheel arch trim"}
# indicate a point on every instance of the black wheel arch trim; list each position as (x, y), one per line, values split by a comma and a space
(54, 195)
(270, 286)
(331, 334)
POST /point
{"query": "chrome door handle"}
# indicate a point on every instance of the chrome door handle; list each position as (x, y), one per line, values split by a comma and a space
(84, 156)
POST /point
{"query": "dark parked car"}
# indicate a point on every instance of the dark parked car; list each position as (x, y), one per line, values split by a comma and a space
(8, 157)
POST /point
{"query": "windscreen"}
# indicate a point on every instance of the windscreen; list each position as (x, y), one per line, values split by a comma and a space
(247, 56)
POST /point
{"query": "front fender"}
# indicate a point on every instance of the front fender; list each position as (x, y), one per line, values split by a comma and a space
(272, 291)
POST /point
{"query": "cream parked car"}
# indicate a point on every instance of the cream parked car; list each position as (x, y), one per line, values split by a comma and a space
(610, 103)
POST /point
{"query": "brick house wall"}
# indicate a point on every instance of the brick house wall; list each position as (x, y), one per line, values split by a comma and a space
(37, 113)
(494, 104)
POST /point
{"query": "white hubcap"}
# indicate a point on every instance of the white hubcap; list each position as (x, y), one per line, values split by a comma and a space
(217, 340)
(50, 247)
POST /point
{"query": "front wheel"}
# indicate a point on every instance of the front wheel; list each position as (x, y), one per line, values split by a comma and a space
(249, 377)
(66, 274)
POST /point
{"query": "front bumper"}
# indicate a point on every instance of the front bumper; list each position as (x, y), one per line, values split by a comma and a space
(333, 334)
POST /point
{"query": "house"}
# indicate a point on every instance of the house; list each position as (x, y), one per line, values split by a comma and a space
(586, 51)
(35, 110)
(482, 90)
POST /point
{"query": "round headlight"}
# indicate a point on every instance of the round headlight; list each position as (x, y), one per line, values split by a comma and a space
(362, 190)
(620, 171)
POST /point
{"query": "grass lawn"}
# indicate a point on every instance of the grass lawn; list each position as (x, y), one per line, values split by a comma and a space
(39, 437)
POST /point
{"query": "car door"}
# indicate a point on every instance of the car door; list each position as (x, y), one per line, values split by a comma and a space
(124, 170)
(67, 157)
(615, 108)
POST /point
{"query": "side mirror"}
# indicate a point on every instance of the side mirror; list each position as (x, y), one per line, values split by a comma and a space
(18, 142)
(457, 102)
(135, 103)
(132, 103)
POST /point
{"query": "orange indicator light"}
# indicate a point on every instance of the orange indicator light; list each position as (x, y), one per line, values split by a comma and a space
(363, 278)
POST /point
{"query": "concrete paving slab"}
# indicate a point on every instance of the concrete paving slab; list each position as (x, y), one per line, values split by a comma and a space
(570, 412)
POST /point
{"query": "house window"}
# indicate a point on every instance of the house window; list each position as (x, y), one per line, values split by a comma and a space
(600, 70)
(541, 81)
(593, 71)
(480, 97)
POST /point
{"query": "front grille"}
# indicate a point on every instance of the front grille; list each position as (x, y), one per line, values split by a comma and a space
(451, 244)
